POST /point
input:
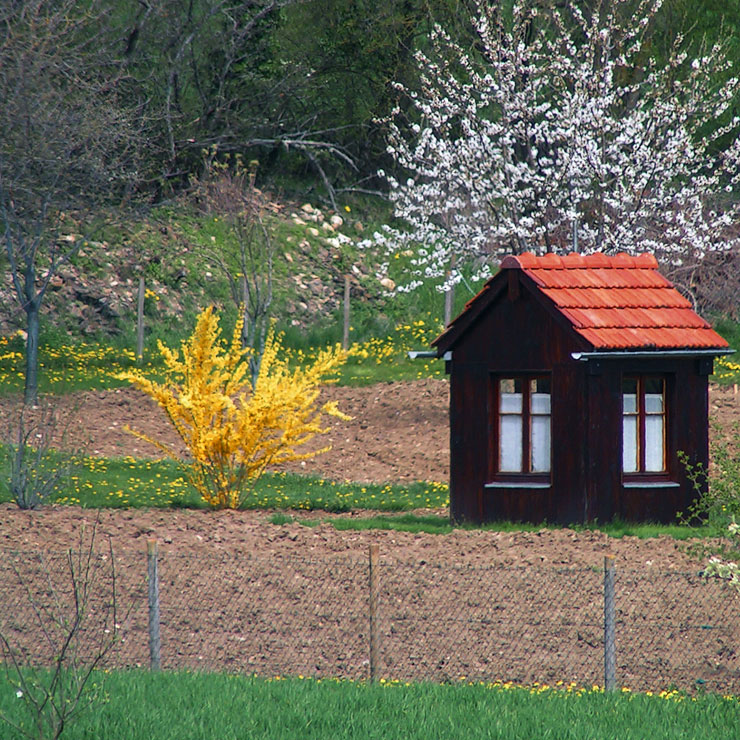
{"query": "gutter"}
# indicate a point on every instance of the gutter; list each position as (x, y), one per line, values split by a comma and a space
(428, 354)
(650, 354)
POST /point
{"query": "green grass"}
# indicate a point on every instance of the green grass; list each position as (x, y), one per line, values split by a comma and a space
(730, 330)
(91, 365)
(129, 482)
(64, 367)
(132, 482)
(439, 524)
(619, 529)
(727, 368)
(184, 706)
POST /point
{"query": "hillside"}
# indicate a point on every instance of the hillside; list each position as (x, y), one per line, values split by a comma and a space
(177, 249)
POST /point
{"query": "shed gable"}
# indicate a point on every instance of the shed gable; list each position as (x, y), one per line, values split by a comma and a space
(613, 302)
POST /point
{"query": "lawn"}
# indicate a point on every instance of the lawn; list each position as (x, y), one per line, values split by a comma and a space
(129, 482)
(79, 366)
(136, 705)
(95, 482)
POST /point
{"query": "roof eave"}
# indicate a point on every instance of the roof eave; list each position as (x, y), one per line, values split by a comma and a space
(645, 354)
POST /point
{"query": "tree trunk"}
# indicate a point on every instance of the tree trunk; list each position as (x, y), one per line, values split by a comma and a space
(30, 395)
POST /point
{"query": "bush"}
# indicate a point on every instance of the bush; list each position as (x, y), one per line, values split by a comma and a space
(717, 504)
(235, 428)
(34, 470)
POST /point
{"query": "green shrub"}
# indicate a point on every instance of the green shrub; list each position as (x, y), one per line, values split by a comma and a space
(717, 504)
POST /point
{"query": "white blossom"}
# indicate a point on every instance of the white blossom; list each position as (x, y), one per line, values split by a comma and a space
(561, 140)
(725, 570)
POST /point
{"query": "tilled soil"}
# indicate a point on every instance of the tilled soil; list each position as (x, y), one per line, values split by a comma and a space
(398, 431)
(240, 593)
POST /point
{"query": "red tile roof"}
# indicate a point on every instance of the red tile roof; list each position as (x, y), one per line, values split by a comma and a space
(618, 302)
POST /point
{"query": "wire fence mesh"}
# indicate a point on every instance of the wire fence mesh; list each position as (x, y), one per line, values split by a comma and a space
(412, 621)
(89, 603)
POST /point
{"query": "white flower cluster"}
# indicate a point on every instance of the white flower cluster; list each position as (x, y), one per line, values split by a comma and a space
(558, 134)
(725, 570)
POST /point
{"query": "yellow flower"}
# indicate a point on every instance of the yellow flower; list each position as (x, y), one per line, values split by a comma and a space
(234, 428)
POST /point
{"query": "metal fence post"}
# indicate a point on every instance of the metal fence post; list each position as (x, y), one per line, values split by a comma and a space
(152, 555)
(374, 636)
(610, 654)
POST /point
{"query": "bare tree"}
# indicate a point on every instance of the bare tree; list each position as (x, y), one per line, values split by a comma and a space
(69, 137)
(35, 469)
(218, 76)
(247, 259)
(73, 618)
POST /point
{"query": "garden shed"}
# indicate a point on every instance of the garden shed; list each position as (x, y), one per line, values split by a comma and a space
(575, 382)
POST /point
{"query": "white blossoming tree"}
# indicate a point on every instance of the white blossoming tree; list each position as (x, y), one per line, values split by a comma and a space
(559, 132)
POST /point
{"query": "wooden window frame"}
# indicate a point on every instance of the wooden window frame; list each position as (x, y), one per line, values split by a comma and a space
(641, 413)
(495, 474)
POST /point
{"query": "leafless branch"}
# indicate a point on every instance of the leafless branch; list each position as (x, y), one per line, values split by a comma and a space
(57, 693)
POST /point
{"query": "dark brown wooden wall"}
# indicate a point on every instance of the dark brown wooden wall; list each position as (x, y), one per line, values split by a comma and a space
(687, 404)
(518, 335)
(523, 334)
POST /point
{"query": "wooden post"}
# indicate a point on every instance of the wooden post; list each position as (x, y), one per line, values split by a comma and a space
(449, 302)
(152, 554)
(345, 332)
(374, 636)
(140, 321)
(449, 293)
(610, 653)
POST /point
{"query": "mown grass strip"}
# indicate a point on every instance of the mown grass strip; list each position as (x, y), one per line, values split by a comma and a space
(133, 482)
(438, 524)
(137, 705)
(129, 482)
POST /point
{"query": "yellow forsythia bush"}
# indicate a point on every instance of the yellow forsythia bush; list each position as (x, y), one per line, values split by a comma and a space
(233, 430)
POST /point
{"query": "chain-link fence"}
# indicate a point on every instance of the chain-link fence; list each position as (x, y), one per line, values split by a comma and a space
(372, 617)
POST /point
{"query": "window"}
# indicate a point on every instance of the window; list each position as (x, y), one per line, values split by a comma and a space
(523, 425)
(643, 425)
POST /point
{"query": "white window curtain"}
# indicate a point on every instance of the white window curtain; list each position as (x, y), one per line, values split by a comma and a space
(540, 441)
(511, 419)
